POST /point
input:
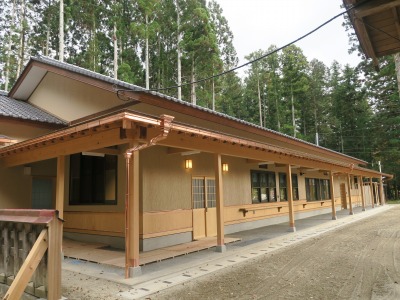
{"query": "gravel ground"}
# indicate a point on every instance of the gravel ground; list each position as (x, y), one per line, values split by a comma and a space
(359, 261)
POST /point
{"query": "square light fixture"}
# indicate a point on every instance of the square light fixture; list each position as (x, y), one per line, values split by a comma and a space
(188, 164)
(225, 167)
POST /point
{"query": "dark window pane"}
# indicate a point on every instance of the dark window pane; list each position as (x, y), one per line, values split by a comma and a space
(255, 195)
(93, 179)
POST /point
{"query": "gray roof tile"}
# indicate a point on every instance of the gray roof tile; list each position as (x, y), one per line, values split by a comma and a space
(12, 108)
(128, 86)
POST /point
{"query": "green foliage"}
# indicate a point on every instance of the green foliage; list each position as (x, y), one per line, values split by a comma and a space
(352, 110)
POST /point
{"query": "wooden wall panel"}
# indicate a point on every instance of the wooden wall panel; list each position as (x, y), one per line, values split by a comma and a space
(234, 214)
(166, 184)
(199, 223)
(237, 185)
(166, 222)
(211, 221)
(61, 96)
(102, 223)
(15, 191)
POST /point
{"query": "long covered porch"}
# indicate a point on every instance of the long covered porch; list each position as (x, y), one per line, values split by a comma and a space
(127, 135)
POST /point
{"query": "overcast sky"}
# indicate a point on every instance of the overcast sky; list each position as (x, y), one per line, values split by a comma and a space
(257, 24)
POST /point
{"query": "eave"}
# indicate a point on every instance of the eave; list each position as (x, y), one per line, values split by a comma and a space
(24, 88)
(377, 26)
(124, 127)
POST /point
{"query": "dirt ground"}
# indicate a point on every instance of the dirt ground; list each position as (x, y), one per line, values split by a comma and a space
(359, 261)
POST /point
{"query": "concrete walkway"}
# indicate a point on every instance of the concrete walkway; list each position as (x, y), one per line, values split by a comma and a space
(256, 242)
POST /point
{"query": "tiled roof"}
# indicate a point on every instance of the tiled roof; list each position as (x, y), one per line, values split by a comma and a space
(23, 110)
(128, 86)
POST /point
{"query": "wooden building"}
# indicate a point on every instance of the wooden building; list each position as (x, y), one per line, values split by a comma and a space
(118, 161)
(377, 26)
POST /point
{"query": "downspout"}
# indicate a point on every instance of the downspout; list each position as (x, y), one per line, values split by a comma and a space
(165, 126)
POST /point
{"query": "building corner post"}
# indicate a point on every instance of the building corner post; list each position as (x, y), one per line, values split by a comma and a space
(220, 203)
(289, 184)
(381, 194)
(332, 192)
(371, 186)
(349, 191)
(361, 185)
(132, 267)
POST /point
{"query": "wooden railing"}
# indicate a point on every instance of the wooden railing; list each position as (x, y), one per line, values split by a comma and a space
(26, 236)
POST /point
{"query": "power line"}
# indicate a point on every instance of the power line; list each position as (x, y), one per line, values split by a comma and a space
(249, 62)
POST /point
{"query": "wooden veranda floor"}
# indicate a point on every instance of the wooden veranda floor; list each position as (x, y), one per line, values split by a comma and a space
(104, 254)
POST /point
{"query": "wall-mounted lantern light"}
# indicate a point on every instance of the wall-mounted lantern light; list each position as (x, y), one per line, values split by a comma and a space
(225, 167)
(188, 164)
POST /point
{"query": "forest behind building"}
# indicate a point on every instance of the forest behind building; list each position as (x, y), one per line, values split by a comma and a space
(164, 43)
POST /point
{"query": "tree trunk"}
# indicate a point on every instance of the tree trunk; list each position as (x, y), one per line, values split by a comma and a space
(7, 75)
(61, 32)
(259, 101)
(293, 119)
(316, 123)
(213, 94)
(115, 52)
(22, 39)
(147, 55)
(193, 85)
(178, 50)
(277, 106)
(397, 64)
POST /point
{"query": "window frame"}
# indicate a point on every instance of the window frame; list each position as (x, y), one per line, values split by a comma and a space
(96, 175)
(283, 189)
(318, 190)
(266, 189)
(206, 191)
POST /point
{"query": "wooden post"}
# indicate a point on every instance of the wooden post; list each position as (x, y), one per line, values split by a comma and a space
(371, 186)
(378, 200)
(361, 185)
(54, 259)
(56, 236)
(60, 186)
(349, 191)
(133, 217)
(220, 203)
(381, 194)
(289, 189)
(332, 192)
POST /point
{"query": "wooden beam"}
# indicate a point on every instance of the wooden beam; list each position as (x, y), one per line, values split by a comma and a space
(220, 202)
(60, 186)
(28, 268)
(381, 194)
(332, 192)
(133, 216)
(181, 151)
(349, 192)
(79, 143)
(108, 151)
(361, 185)
(374, 7)
(289, 190)
(54, 257)
(396, 20)
(280, 165)
(259, 162)
(207, 145)
(365, 40)
(372, 192)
